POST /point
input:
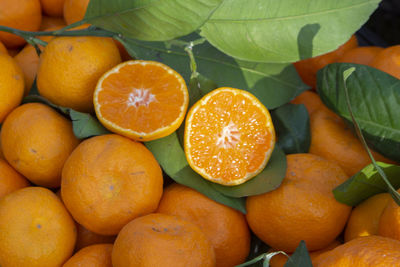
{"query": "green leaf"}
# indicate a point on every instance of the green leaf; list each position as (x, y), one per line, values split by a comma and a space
(85, 125)
(367, 183)
(292, 126)
(273, 84)
(152, 20)
(171, 157)
(300, 257)
(284, 31)
(269, 179)
(374, 96)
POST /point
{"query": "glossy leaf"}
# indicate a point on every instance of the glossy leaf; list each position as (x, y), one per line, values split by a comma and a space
(367, 183)
(300, 257)
(284, 31)
(374, 96)
(292, 126)
(150, 19)
(273, 84)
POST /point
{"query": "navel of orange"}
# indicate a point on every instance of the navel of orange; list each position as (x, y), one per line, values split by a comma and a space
(229, 136)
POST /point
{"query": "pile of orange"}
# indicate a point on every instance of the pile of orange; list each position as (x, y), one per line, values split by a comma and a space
(102, 201)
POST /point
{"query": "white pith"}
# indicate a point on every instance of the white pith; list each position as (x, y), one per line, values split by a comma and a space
(229, 136)
(140, 97)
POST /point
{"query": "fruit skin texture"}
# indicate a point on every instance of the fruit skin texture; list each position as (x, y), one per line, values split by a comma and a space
(35, 229)
(22, 14)
(374, 251)
(93, 256)
(69, 69)
(110, 180)
(74, 10)
(360, 55)
(364, 219)
(10, 179)
(36, 141)
(3, 49)
(389, 223)
(11, 86)
(162, 240)
(53, 8)
(225, 227)
(388, 61)
(310, 100)
(302, 208)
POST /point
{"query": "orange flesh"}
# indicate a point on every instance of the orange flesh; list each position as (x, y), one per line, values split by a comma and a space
(230, 138)
(143, 98)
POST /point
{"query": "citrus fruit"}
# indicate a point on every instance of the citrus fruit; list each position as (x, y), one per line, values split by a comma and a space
(162, 240)
(333, 139)
(53, 8)
(225, 227)
(367, 251)
(389, 223)
(35, 229)
(36, 141)
(50, 22)
(388, 61)
(142, 100)
(96, 255)
(69, 68)
(108, 181)
(307, 68)
(302, 208)
(87, 238)
(364, 218)
(10, 179)
(360, 55)
(74, 10)
(229, 136)
(3, 49)
(11, 85)
(310, 100)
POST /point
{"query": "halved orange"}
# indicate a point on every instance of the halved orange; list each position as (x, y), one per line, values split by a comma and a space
(229, 136)
(142, 100)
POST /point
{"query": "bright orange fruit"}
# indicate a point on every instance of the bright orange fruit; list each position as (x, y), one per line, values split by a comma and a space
(229, 136)
(142, 100)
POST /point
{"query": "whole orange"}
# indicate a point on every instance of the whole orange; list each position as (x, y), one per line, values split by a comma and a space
(35, 229)
(108, 181)
(10, 179)
(162, 240)
(22, 14)
(367, 251)
(388, 60)
(389, 223)
(70, 67)
(36, 141)
(225, 227)
(74, 10)
(93, 256)
(302, 208)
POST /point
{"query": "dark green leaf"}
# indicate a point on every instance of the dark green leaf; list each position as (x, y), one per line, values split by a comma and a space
(269, 179)
(150, 19)
(273, 84)
(300, 258)
(199, 86)
(284, 31)
(292, 126)
(85, 125)
(171, 157)
(367, 183)
(374, 96)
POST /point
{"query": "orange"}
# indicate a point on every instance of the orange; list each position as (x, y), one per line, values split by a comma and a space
(389, 223)
(10, 180)
(87, 238)
(3, 49)
(142, 100)
(108, 181)
(367, 251)
(11, 85)
(36, 141)
(122, 51)
(229, 136)
(74, 10)
(310, 100)
(13, 51)
(279, 260)
(308, 68)
(51, 22)
(96, 255)
(70, 67)
(364, 219)
(302, 208)
(333, 139)
(162, 240)
(388, 60)
(22, 14)
(53, 8)
(35, 229)
(225, 227)
(360, 55)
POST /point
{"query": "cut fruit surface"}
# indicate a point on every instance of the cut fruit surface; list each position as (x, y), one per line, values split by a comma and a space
(142, 100)
(229, 136)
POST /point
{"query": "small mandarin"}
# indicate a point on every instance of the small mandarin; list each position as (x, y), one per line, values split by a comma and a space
(95, 255)
(10, 179)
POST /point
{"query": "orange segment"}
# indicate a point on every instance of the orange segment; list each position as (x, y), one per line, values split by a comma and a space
(142, 100)
(229, 136)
